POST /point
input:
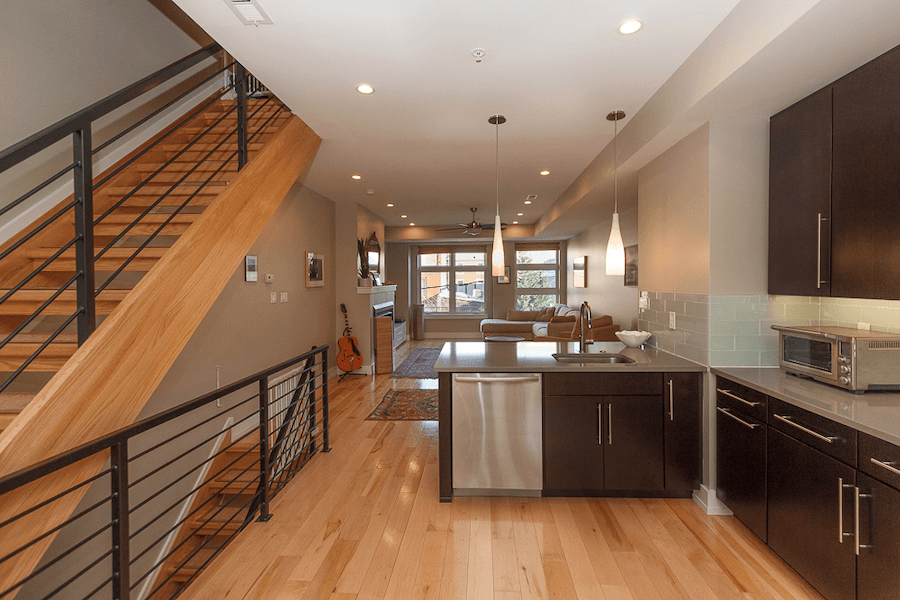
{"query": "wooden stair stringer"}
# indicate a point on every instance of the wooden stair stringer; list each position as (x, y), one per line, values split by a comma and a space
(110, 378)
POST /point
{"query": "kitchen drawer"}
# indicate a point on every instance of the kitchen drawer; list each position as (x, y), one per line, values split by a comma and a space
(741, 467)
(603, 384)
(741, 398)
(834, 439)
(872, 449)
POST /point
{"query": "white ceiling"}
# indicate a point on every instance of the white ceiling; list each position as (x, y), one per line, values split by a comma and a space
(554, 69)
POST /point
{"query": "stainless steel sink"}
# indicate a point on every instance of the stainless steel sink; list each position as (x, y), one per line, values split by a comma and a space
(592, 358)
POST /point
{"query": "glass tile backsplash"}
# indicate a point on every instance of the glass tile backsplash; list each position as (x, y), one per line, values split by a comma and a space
(735, 330)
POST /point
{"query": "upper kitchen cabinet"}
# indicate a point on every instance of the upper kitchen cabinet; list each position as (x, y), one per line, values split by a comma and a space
(834, 183)
(865, 204)
(800, 197)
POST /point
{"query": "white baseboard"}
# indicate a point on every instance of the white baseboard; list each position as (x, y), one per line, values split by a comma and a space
(706, 499)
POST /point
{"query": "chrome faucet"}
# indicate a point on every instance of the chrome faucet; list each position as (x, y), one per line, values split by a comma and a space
(583, 341)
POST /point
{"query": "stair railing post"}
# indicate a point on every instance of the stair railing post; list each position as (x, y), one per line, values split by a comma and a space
(121, 553)
(325, 421)
(264, 466)
(84, 231)
(240, 88)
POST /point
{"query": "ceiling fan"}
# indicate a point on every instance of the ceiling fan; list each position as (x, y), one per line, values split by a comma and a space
(474, 227)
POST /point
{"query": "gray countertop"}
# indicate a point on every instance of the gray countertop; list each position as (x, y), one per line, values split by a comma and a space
(875, 413)
(536, 357)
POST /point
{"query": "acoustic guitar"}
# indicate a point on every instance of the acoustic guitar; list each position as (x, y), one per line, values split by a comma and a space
(349, 357)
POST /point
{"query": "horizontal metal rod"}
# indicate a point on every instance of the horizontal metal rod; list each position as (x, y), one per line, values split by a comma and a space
(55, 498)
(79, 574)
(38, 229)
(35, 190)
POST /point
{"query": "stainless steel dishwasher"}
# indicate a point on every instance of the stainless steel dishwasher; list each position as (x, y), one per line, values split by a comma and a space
(497, 434)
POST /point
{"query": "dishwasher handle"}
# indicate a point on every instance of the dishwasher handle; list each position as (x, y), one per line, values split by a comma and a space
(513, 379)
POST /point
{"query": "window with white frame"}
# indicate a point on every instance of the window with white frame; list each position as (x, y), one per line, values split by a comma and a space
(537, 275)
(452, 279)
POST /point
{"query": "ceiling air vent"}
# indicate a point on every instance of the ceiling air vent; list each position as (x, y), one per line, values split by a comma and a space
(531, 197)
(249, 12)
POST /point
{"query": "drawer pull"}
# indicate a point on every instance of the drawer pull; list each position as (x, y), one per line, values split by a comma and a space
(856, 519)
(671, 401)
(730, 395)
(886, 465)
(819, 436)
(737, 418)
(841, 487)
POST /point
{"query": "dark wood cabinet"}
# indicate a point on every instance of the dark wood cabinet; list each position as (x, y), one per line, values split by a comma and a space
(682, 396)
(810, 514)
(800, 197)
(633, 444)
(741, 466)
(573, 449)
(866, 181)
(879, 538)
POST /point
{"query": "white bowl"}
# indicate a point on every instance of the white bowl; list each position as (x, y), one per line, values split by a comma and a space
(633, 339)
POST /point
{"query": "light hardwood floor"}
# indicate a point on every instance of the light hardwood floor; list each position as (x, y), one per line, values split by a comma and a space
(364, 522)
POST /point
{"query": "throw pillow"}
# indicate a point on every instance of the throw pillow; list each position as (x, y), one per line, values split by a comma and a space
(545, 314)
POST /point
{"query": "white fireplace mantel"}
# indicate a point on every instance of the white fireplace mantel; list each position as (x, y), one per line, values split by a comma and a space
(376, 289)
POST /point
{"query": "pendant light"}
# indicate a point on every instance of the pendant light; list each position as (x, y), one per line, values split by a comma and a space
(498, 261)
(615, 249)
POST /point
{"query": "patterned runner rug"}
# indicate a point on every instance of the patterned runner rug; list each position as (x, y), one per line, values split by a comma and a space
(419, 364)
(407, 405)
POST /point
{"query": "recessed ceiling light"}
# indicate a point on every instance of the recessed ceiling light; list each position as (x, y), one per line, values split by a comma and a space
(370, 192)
(515, 222)
(545, 173)
(390, 205)
(520, 214)
(356, 177)
(402, 216)
(250, 12)
(365, 88)
(411, 224)
(528, 202)
(630, 26)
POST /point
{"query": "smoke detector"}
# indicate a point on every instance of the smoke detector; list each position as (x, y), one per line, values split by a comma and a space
(249, 12)
(478, 53)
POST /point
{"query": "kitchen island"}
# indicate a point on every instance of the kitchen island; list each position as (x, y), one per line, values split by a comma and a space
(626, 429)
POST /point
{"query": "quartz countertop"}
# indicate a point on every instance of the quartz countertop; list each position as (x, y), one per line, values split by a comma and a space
(536, 357)
(875, 413)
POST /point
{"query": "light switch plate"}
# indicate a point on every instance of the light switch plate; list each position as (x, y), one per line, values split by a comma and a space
(864, 326)
(671, 319)
(284, 296)
(273, 297)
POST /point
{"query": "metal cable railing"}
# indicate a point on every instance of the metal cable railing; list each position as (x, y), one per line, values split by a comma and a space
(178, 487)
(41, 283)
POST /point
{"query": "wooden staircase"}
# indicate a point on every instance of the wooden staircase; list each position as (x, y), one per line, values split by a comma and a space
(148, 185)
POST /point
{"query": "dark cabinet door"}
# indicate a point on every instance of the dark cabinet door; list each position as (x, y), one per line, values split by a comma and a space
(800, 197)
(866, 232)
(633, 439)
(682, 431)
(741, 467)
(573, 453)
(879, 538)
(810, 515)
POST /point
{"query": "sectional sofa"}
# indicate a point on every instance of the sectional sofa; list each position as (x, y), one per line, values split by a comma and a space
(552, 323)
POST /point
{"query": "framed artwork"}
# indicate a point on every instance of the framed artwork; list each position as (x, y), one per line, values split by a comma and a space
(251, 268)
(579, 272)
(505, 277)
(315, 269)
(631, 266)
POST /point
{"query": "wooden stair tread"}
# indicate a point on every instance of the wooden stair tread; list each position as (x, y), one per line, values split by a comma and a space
(194, 563)
(40, 338)
(218, 520)
(69, 294)
(26, 301)
(184, 189)
(14, 403)
(224, 484)
(178, 166)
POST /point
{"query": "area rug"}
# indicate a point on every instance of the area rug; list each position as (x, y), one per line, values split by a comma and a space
(419, 364)
(407, 405)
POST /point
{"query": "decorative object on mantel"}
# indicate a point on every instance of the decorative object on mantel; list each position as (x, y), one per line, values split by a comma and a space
(579, 272)
(373, 254)
(315, 269)
(615, 248)
(362, 247)
(407, 405)
(631, 266)
(419, 364)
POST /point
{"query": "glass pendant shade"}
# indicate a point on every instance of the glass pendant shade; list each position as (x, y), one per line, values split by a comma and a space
(615, 249)
(498, 261)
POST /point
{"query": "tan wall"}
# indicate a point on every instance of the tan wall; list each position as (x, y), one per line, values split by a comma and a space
(673, 218)
(607, 295)
(738, 205)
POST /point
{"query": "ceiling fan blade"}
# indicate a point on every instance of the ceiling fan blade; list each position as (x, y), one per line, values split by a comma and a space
(450, 229)
(490, 227)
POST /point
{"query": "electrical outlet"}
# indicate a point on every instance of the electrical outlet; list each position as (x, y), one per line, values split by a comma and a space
(273, 297)
(864, 326)
(269, 278)
(284, 296)
(671, 319)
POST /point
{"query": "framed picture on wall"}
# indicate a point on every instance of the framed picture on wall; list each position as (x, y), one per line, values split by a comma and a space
(251, 268)
(631, 266)
(315, 269)
(579, 272)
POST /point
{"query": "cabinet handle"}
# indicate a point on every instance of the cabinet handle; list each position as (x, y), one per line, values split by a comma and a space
(730, 395)
(824, 438)
(737, 418)
(856, 498)
(599, 424)
(841, 486)
(885, 465)
(671, 401)
(819, 281)
(609, 422)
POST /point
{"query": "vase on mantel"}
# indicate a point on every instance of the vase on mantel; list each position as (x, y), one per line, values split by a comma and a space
(363, 282)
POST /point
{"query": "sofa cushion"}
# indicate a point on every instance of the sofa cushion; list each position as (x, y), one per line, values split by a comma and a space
(501, 326)
(568, 319)
(545, 314)
(521, 315)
